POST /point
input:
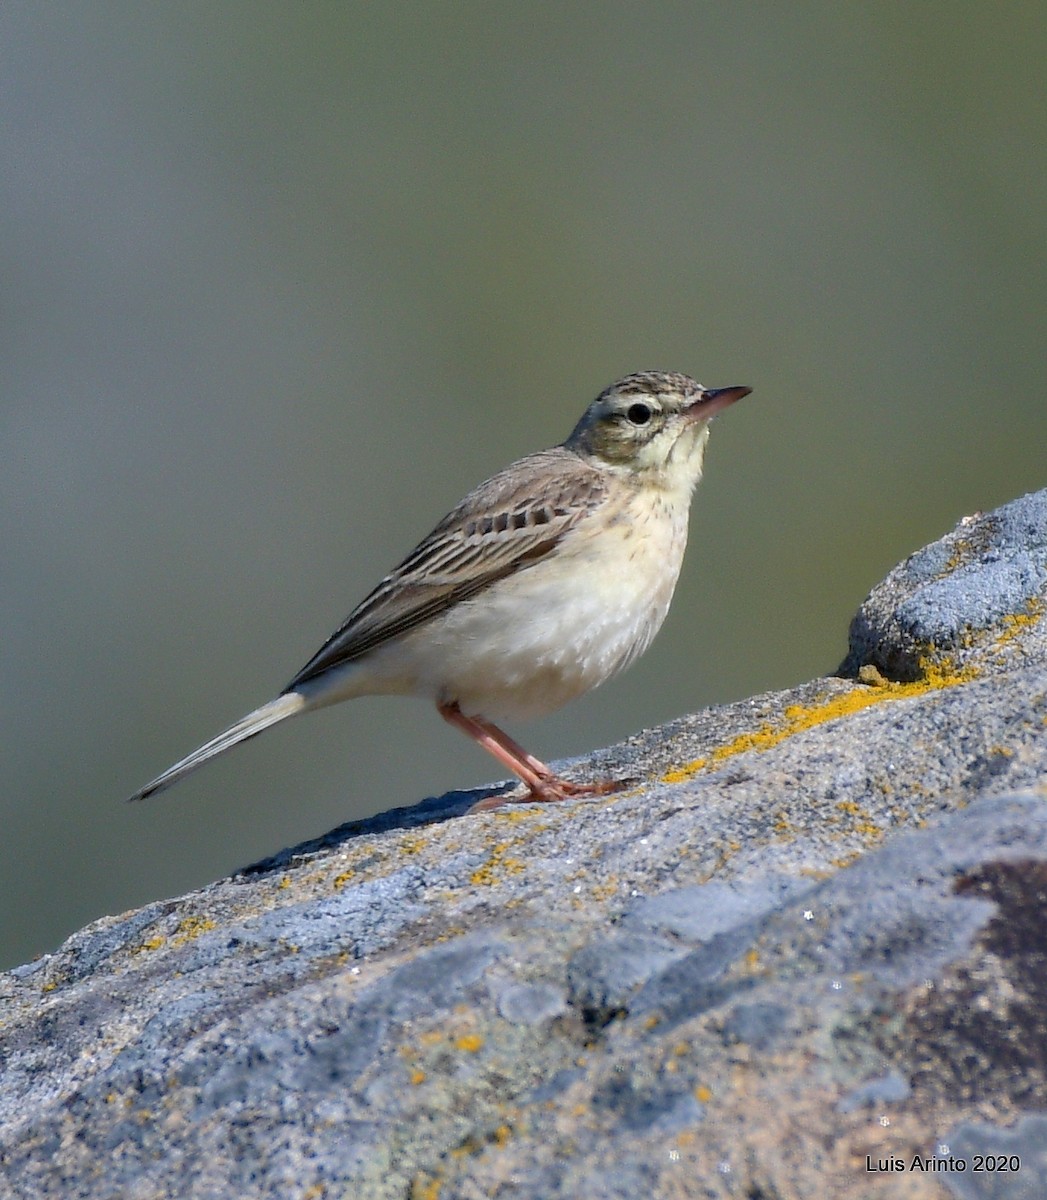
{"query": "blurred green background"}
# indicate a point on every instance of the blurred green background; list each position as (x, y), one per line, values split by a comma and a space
(281, 281)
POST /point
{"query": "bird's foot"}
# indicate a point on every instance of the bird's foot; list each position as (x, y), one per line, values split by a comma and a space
(564, 788)
(551, 790)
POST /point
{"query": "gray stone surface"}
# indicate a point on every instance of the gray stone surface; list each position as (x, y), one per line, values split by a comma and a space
(960, 600)
(808, 941)
(998, 1164)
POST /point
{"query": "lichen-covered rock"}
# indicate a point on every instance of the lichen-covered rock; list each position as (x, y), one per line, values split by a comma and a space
(972, 601)
(807, 947)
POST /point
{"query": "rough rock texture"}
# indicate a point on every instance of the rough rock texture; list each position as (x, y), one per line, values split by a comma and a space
(972, 599)
(805, 956)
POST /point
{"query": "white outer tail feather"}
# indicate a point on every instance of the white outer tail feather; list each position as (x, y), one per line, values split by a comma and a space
(272, 713)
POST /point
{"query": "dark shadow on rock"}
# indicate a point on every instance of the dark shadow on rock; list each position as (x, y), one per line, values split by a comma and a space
(431, 811)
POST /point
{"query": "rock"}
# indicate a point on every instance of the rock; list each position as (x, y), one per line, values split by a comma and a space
(997, 1164)
(806, 944)
(877, 1092)
(973, 600)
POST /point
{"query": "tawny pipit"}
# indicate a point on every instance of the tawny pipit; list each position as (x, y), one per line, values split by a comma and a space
(546, 580)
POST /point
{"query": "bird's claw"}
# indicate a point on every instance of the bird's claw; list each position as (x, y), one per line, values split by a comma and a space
(552, 791)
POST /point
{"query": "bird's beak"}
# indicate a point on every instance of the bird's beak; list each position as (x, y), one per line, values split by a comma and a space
(713, 400)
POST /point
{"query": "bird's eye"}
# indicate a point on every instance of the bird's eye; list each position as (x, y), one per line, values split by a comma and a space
(639, 414)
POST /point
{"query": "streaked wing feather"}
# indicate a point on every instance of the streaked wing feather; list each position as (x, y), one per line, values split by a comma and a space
(507, 523)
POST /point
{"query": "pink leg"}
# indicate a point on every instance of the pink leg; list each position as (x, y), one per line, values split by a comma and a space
(542, 782)
(515, 749)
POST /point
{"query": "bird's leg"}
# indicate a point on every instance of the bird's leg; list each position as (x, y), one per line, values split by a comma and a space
(542, 782)
(515, 749)
(520, 763)
(564, 787)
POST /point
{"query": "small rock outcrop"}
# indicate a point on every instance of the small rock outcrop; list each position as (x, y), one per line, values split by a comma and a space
(804, 956)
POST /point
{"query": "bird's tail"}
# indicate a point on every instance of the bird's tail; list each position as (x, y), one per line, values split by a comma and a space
(269, 714)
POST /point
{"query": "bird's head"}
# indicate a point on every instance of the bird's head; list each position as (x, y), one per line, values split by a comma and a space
(652, 425)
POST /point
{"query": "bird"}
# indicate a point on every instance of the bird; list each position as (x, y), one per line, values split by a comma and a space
(545, 581)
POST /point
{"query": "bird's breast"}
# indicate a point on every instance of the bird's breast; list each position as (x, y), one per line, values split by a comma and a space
(561, 625)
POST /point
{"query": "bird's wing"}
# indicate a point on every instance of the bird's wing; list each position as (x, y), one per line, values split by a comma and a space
(507, 523)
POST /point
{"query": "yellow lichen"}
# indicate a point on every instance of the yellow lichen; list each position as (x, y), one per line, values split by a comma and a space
(515, 813)
(682, 774)
(190, 928)
(936, 673)
(469, 1042)
(153, 943)
(499, 863)
(864, 824)
(1015, 624)
(962, 550)
(605, 890)
(425, 1187)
